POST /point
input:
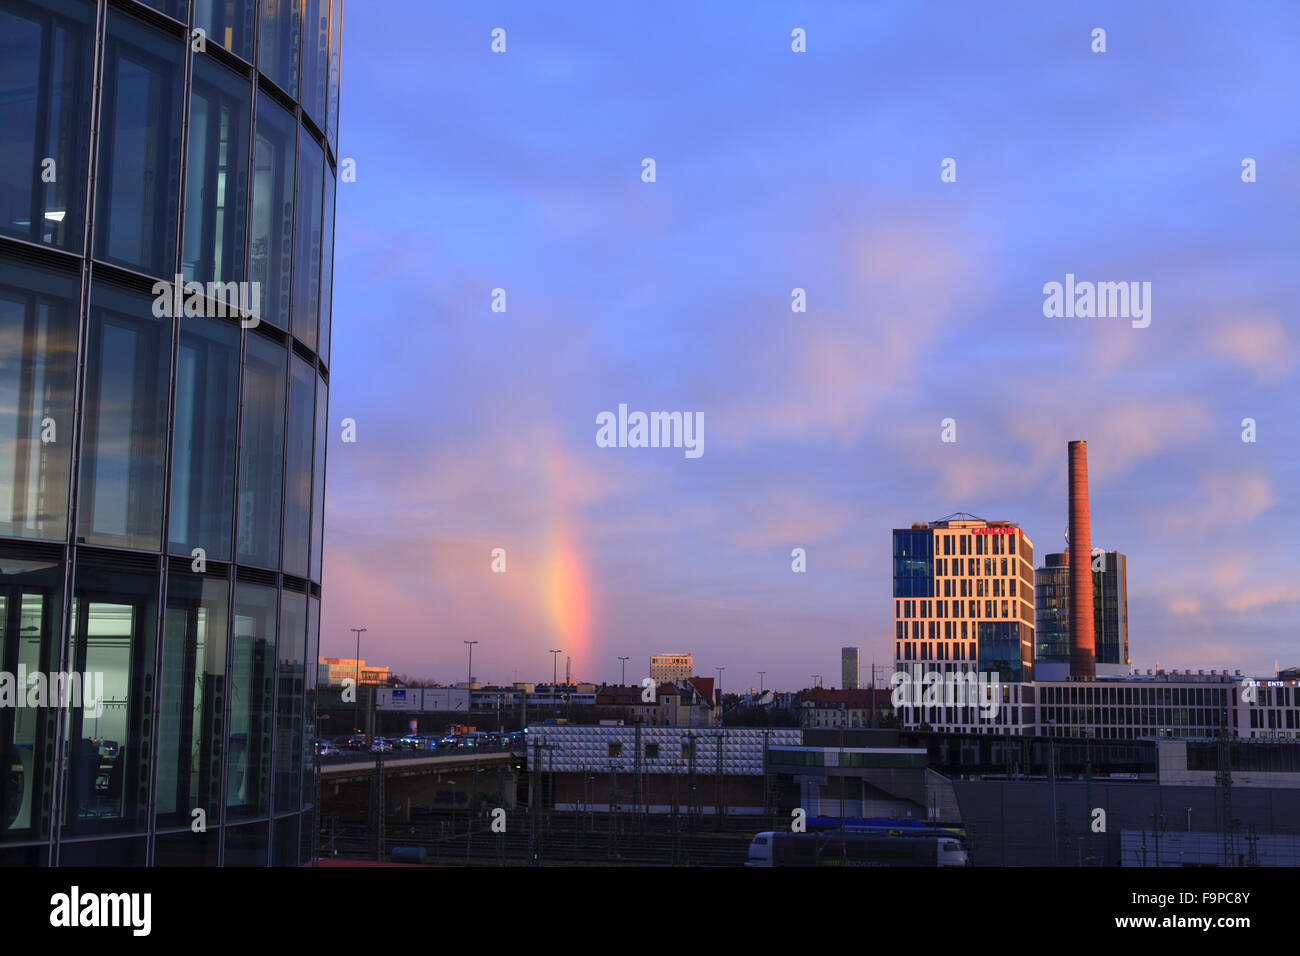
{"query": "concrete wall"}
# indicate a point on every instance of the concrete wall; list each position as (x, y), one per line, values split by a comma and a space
(1012, 820)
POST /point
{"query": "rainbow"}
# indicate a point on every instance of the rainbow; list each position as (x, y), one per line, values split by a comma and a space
(566, 597)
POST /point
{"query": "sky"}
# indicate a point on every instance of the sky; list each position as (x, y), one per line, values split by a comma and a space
(817, 170)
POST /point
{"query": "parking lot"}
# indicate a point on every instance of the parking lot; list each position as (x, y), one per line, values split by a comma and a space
(361, 747)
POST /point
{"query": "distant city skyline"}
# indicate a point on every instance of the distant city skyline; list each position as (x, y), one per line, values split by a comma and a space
(821, 171)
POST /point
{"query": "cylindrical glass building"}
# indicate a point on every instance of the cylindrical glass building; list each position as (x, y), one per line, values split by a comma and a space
(162, 457)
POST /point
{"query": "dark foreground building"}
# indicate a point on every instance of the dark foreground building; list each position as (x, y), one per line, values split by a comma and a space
(162, 473)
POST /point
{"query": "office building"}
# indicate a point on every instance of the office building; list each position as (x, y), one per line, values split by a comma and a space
(162, 470)
(671, 668)
(333, 671)
(850, 668)
(963, 597)
(1110, 615)
(964, 604)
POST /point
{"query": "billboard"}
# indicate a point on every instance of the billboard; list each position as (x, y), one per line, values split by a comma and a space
(398, 698)
(453, 700)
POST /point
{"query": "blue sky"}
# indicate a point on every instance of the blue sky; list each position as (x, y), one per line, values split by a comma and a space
(817, 170)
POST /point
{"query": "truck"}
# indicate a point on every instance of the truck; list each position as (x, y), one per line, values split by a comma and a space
(857, 848)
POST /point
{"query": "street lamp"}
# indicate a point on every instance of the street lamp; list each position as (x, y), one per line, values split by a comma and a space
(555, 697)
(469, 676)
(469, 679)
(623, 680)
(356, 710)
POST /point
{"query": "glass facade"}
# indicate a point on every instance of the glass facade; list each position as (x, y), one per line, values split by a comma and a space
(161, 462)
(1109, 601)
(46, 58)
(1052, 609)
(139, 153)
(913, 563)
(38, 324)
(1110, 608)
(1003, 649)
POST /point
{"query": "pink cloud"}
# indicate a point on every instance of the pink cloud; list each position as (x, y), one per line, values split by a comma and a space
(1259, 343)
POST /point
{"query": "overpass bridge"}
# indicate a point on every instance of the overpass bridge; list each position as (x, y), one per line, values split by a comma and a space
(362, 766)
(414, 786)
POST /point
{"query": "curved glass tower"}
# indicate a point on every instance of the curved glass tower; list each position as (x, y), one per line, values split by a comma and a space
(162, 452)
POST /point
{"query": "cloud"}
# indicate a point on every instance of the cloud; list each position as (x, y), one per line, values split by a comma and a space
(1221, 500)
(1258, 343)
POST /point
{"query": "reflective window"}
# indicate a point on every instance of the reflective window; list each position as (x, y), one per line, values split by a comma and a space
(38, 357)
(107, 853)
(228, 23)
(310, 674)
(192, 689)
(139, 149)
(176, 9)
(272, 226)
(31, 616)
(252, 680)
(285, 844)
(216, 185)
(307, 248)
(203, 448)
(124, 432)
(261, 459)
(187, 849)
(336, 33)
(318, 480)
(298, 468)
(114, 621)
(315, 58)
(45, 83)
(277, 55)
(292, 651)
(247, 845)
(327, 269)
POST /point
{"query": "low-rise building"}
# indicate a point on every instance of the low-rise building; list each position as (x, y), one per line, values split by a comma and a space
(827, 707)
(684, 703)
(333, 671)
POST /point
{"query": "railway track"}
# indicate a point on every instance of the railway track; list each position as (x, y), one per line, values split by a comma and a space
(561, 842)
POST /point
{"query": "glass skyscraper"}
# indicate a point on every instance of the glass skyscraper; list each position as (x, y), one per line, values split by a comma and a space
(162, 474)
(1110, 611)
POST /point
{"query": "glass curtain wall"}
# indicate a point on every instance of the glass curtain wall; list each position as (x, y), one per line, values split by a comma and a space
(161, 474)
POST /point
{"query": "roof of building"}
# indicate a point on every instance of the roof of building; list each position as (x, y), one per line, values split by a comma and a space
(830, 697)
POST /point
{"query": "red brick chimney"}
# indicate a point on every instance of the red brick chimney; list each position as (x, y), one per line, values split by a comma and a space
(1083, 657)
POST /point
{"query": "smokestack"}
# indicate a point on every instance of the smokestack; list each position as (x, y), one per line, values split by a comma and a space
(1083, 658)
